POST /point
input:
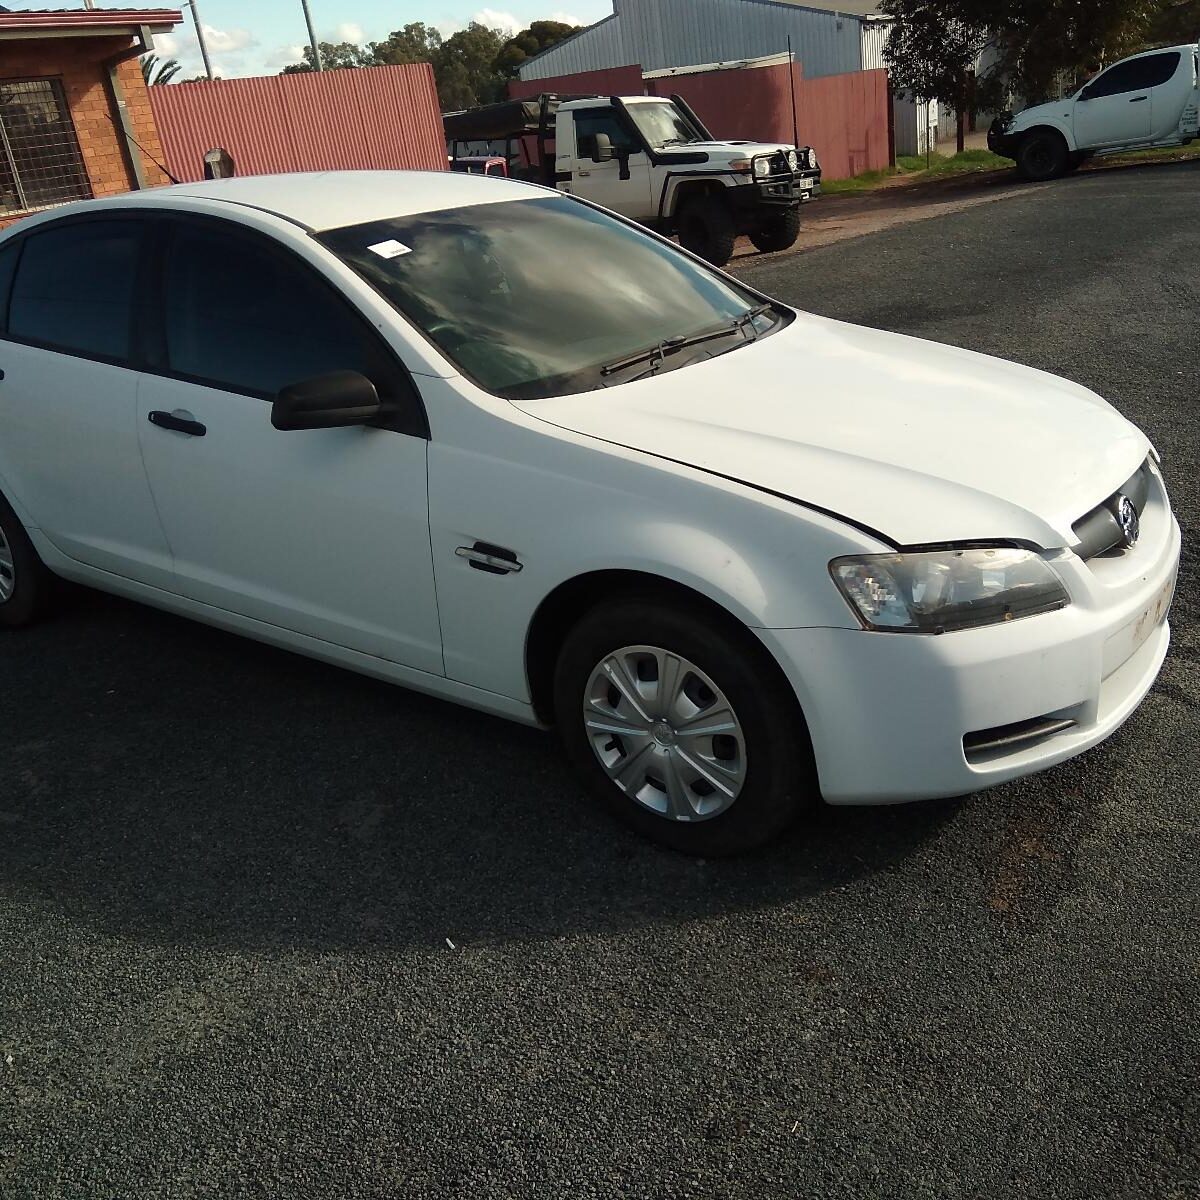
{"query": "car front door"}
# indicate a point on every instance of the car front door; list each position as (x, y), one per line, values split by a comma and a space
(322, 532)
(69, 450)
(621, 184)
(1116, 108)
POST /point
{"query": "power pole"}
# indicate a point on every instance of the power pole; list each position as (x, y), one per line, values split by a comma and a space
(312, 37)
(200, 38)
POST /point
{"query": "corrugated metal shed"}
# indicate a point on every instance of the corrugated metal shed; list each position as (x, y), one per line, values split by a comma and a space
(674, 33)
(874, 39)
(381, 118)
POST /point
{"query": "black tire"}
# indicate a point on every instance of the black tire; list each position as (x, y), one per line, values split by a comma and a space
(778, 772)
(777, 232)
(31, 583)
(1043, 155)
(706, 228)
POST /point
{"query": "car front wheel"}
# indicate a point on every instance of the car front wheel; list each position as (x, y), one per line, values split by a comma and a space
(706, 228)
(1043, 156)
(777, 232)
(683, 727)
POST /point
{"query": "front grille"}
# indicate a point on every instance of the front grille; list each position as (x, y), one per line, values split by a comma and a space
(1099, 531)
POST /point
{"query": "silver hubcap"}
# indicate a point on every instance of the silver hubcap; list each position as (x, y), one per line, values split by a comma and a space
(665, 733)
(8, 576)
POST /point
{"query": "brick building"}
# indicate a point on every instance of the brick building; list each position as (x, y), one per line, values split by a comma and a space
(75, 119)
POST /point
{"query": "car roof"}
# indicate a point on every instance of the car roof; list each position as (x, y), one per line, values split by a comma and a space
(332, 199)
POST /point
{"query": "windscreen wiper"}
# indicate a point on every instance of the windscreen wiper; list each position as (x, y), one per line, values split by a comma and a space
(657, 353)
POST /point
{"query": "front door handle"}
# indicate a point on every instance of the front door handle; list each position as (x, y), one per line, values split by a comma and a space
(181, 422)
(1138, 99)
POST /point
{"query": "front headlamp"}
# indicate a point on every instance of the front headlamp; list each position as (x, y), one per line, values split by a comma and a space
(939, 591)
(762, 166)
(793, 160)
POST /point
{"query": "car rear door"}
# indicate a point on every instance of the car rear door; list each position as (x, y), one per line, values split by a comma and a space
(321, 532)
(69, 452)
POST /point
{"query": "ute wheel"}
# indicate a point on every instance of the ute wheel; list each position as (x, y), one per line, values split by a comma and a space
(706, 228)
(778, 232)
(1043, 155)
(682, 726)
(25, 584)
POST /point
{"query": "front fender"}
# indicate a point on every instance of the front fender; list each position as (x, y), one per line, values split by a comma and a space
(568, 505)
(1061, 121)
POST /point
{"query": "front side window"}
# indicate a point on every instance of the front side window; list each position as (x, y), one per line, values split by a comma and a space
(75, 286)
(664, 125)
(242, 317)
(536, 298)
(591, 121)
(40, 163)
(1135, 75)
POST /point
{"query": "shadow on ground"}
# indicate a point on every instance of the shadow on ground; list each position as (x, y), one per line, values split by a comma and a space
(177, 784)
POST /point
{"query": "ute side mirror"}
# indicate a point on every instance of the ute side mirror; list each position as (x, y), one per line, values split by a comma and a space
(333, 401)
(602, 151)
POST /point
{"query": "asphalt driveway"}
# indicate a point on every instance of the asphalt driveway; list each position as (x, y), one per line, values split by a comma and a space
(268, 929)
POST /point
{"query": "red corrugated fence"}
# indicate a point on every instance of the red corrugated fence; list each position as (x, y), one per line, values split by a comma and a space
(373, 118)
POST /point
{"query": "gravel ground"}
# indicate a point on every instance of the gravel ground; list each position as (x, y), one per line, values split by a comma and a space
(273, 930)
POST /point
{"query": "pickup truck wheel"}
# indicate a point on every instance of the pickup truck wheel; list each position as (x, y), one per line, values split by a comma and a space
(682, 726)
(1043, 155)
(777, 232)
(706, 228)
(25, 584)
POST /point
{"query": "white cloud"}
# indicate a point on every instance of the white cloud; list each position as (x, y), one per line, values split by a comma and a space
(567, 18)
(166, 45)
(223, 41)
(283, 56)
(348, 31)
(494, 19)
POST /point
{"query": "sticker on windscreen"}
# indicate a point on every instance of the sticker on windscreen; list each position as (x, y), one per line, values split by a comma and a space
(390, 249)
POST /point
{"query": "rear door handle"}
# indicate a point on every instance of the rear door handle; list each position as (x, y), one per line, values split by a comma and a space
(181, 422)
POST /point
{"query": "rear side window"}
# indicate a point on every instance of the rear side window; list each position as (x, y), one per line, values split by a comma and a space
(1135, 75)
(242, 317)
(74, 289)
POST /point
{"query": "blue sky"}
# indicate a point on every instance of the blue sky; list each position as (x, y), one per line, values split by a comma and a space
(254, 37)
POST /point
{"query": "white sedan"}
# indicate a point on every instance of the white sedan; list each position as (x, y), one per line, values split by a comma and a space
(495, 444)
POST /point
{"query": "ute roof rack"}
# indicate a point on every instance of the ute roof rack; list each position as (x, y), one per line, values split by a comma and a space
(509, 118)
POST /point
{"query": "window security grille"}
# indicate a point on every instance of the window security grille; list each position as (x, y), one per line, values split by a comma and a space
(40, 162)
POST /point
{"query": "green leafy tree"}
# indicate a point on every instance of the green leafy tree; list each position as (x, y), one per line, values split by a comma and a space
(156, 69)
(465, 68)
(334, 57)
(541, 35)
(416, 42)
(1176, 21)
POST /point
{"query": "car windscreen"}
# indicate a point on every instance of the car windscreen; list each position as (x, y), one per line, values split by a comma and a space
(663, 124)
(538, 298)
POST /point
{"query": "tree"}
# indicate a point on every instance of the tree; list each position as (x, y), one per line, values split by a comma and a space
(541, 35)
(465, 68)
(932, 49)
(156, 69)
(416, 42)
(1176, 21)
(334, 57)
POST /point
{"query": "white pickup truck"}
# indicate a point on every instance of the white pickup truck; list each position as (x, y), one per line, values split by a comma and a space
(651, 159)
(1150, 99)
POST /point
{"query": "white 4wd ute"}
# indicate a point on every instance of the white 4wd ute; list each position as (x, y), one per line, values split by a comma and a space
(651, 159)
(1151, 99)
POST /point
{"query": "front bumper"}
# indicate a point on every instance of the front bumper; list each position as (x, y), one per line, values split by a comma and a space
(1000, 141)
(777, 191)
(888, 713)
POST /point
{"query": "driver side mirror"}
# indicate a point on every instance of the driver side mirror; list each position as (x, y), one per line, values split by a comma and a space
(333, 401)
(602, 151)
